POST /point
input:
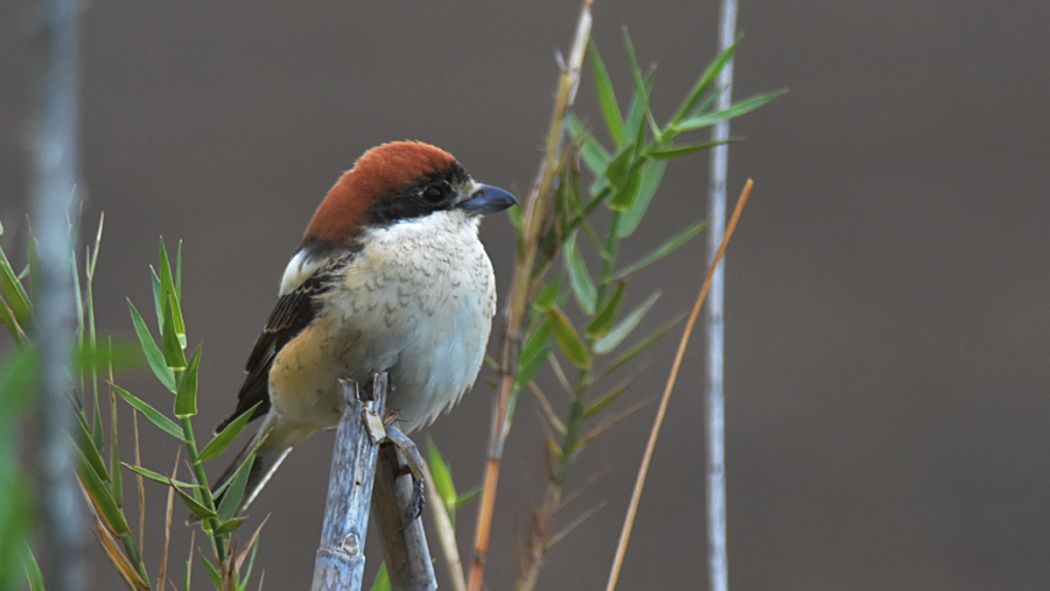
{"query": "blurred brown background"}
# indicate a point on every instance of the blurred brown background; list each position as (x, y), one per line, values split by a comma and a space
(887, 324)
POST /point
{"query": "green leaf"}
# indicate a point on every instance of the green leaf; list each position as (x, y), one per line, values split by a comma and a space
(643, 86)
(193, 504)
(567, 338)
(174, 356)
(595, 156)
(579, 278)
(625, 327)
(231, 499)
(652, 174)
(243, 586)
(606, 95)
(154, 356)
(34, 576)
(382, 581)
(679, 151)
(152, 414)
(732, 111)
(703, 84)
(603, 320)
(186, 397)
(213, 572)
(171, 292)
(13, 291)
(224, 438)
(606, 399)
(101, 497)
(627, 195)
(157, 476)
(466, 497)
(533, 354)
(87, 446)
(442, 476)
(677, 241)
(230, 525)
(646, 342)
(547, 297)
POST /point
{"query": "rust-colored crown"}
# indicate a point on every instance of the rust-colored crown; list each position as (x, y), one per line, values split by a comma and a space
(380, 172)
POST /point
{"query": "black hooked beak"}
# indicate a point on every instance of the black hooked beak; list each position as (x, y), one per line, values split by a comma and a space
(487, 199)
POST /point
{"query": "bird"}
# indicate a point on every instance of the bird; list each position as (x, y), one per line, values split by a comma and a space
(390, 276)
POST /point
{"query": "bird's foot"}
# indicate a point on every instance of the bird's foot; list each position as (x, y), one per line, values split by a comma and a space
(414, 463)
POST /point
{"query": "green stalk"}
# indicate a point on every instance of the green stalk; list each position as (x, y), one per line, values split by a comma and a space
(218, 540)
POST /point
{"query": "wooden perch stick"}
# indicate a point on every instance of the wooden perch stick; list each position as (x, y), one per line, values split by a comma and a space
(340, 561)
(405, 548)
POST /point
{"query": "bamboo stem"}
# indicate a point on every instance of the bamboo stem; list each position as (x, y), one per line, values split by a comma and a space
(522, 287)
(714, 322)
(404, 545)
(55, 159)
(340, 561)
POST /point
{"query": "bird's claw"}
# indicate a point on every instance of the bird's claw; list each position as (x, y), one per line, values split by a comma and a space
(414, 463)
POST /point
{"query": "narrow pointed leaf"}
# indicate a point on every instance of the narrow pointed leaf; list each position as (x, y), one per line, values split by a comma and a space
(174, 356)
(579, 277)
(170, 291)
(651, 175)
(87, 446)
(466, 497)
(606, 399)
(186, 397)
(679, 151)
(643, 86)
(154, 356)
(231, 499)
(533, 354)
(193, 504)
(547, 297)
(677, 241)
(606, 95)
(732, 111)
(101, 497)
(152, 414)
(604, 319)
(213, 572)
(595, 157)
(224, 438)
(567, 338)
(703, 84)
(639, 347)
(626, 326)
(157, 476)
(13, 291)
(439, 470)
(34, 576)
(382, 580)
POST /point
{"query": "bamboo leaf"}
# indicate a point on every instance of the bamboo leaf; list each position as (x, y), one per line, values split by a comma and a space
(117, 557)
(87, 446)
(224, 438)
(579, 277)
(152, 414)
(171, 293)
(101, 497)
(466, 497)
(702, 85)
(213, 572)
(606, 399)
(547, 297)
(247, 572)
(567, 338)
(677, 241)
(439, 470)
(13, 291)
(231, 498)
(157, 476)
(34, 576)
(186, 397)
(639, 347)
(174, 356)
(679, 151)
(626, 326)
(382, 580)
(595, 157)
(533, 354)
(732, 111)
(643, 86)
(193, 504)
(606, 95)
(154, 356)
(603, 320)
(651, 175)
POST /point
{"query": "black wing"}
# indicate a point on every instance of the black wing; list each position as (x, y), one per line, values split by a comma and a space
(293, 312)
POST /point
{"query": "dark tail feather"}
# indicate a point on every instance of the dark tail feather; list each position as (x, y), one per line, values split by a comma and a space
(267, 459)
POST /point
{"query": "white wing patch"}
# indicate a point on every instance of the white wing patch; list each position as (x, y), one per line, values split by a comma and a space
(299, 269)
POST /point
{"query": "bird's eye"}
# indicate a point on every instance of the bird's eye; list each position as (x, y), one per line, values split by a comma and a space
(433, 194)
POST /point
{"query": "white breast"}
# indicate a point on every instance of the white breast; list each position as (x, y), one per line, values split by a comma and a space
(418, 301)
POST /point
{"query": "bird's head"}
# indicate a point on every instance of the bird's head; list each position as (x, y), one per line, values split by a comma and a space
(399, 181)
